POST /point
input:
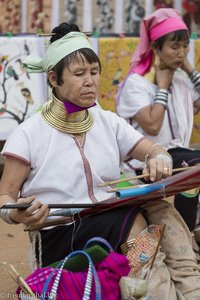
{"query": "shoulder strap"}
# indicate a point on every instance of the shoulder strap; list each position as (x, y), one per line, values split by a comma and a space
(92, 273)
(99, 240)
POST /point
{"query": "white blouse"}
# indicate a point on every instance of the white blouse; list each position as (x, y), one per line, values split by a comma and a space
(62, 170)
(138, 93)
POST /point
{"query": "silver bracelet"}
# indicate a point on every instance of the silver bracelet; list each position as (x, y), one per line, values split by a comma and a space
(195, 78)
(161, 97)
(5, 215)
(164, 157)
(163, 103)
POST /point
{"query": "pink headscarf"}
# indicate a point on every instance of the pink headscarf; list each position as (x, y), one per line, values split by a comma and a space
(161, 22)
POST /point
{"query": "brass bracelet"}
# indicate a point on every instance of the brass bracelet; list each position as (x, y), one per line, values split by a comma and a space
(126, 246)
(147, 156)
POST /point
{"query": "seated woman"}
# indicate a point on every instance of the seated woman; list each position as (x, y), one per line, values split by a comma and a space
(160, 96)
(67, 149)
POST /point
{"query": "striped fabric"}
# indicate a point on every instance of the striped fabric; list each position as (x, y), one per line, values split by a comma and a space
(72, 284)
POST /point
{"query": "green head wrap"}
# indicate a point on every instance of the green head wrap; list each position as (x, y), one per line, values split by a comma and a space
(56, 51)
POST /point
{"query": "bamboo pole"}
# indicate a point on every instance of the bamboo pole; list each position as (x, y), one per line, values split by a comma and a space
(21, 282)
(138, 177)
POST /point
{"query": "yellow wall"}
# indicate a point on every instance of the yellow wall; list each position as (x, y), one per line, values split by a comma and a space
(115, 55)
(195, 138)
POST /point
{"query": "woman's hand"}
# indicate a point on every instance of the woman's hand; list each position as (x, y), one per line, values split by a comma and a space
(157, 168)
(187, 67)
(34, 216)
(163, 76)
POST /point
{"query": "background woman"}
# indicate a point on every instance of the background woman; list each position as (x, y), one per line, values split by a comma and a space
(160, 96)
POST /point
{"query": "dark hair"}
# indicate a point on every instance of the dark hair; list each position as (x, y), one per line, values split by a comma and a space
(61, 30)
(89, 54)
(178, 35)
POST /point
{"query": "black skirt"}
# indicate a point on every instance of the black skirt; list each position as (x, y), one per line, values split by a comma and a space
(182, 157)
(186, 206)
(114, 225)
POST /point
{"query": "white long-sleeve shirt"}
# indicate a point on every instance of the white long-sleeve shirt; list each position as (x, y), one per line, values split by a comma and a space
(62, 170)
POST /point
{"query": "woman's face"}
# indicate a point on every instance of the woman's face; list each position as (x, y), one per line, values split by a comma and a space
(80, 82)
(173, 53)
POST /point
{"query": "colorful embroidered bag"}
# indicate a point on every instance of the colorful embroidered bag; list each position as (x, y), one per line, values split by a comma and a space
(100, 281)
(142, 250)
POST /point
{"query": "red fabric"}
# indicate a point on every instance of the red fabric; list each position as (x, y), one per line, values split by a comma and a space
(142, 57)
(71, 286)
(190, 7)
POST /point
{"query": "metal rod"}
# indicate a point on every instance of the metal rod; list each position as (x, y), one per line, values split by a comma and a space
(72, 205)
